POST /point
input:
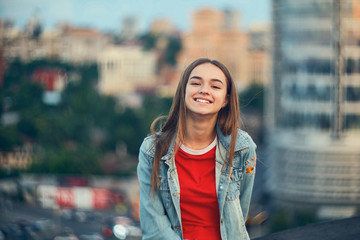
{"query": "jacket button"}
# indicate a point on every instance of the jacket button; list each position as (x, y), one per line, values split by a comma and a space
(222, 220)
(221, 187)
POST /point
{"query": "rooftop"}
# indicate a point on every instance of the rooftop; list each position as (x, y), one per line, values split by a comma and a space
(344, 229)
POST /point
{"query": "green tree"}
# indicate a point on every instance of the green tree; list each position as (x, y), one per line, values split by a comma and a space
(153, 107)
(86, 126)
(172, 49)
(252, 98)
(148, 41)
(9, 138)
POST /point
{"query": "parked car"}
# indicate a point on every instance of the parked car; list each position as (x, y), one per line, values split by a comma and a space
(66, 237)
(120, 227)
(12, 231)
(66, 234)
(46, 228)
(91, 236)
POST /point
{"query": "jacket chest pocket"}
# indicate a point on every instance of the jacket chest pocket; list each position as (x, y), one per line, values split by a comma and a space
(233, 191)
(164, 192)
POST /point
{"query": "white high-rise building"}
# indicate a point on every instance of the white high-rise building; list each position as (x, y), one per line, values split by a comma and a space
(314, 106)
(123, 69)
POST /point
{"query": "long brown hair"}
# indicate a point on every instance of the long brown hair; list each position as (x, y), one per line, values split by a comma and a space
(228, 119)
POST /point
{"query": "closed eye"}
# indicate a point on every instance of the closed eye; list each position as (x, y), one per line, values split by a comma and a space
(194, 83)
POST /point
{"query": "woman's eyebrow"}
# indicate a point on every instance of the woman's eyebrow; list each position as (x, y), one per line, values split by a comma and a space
(212, 80)
(196, 77)
(216, 80)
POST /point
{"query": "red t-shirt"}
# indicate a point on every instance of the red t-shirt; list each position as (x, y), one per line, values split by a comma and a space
(198, 198)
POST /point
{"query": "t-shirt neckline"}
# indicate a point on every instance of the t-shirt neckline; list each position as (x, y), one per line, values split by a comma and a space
(200, 151)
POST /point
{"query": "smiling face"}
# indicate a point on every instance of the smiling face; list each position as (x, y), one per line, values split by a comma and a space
(206, 90)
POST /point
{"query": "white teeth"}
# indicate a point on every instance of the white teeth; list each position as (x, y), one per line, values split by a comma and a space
(202, 100)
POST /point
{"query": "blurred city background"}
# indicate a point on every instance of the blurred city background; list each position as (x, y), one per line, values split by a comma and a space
(81, 82)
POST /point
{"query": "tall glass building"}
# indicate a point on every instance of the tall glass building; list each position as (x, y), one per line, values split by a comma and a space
(314, 105)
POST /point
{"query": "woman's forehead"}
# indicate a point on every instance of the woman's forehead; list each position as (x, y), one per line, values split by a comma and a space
(208, 71)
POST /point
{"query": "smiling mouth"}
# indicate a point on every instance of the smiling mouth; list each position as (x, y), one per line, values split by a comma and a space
(202, 100)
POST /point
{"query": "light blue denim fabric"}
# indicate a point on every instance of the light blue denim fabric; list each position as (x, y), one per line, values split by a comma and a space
(160, 216)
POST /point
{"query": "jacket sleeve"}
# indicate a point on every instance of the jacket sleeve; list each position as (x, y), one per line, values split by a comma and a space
(249, 176)
(153, 220)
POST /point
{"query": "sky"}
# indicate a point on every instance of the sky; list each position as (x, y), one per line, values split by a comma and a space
(106, 15)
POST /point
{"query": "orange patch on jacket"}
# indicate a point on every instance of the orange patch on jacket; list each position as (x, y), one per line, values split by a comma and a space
(250, 169)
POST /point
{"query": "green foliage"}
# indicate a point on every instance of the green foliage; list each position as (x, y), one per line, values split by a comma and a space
(148, 41)
(14, 74)
(280, 221)
(77, 134)
(173, 46)
(9, 138)
(283, 219)
(7, 173)
(152, 108)
(252, 98)
(26, 127)
(29, 99)
(59, 160)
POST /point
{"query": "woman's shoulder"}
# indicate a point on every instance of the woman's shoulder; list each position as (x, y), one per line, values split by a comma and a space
(148, 143)
(149, 138)
(244, 140)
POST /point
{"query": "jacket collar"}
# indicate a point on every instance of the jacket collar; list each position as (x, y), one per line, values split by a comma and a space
(241, 141)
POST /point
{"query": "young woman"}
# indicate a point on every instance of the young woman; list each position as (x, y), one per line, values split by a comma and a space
(196, 174)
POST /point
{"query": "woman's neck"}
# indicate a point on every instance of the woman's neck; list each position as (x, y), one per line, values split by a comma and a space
(199, 132)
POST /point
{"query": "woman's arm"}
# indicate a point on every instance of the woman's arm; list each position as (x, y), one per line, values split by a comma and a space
(154, 222)
(247, 182)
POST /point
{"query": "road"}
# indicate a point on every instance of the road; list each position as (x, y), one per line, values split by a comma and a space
(12, 212)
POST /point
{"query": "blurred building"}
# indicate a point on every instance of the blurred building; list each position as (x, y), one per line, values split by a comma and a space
(217, 35)
(20, 158)
(22, 44)
(259, 55)
(81, 45)
(129, 29)
(66, 43)
(314, 106)
(122, 69)
(34, 27)
(162, 26)
(53, 81)
(2, 65)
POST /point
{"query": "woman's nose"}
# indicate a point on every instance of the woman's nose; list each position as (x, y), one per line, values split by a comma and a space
(204, 89)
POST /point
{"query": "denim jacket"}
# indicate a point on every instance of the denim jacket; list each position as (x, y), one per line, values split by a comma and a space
(160, 216)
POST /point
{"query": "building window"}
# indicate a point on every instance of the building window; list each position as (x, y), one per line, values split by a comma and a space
(305, 120)
(352, 94)
(350, 66)
(309, 92)
(318, 66)
(352, 121)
